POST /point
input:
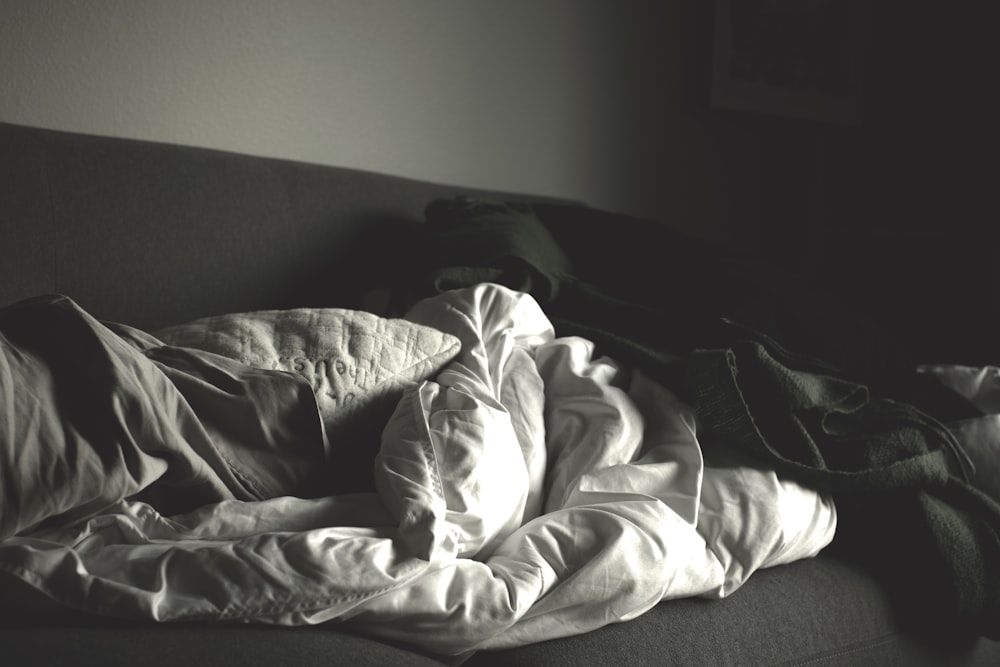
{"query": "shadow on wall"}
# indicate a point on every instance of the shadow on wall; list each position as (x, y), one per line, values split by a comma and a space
(895, 212)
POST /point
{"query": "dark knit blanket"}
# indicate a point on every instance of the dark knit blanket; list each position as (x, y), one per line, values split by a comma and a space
(898, 477)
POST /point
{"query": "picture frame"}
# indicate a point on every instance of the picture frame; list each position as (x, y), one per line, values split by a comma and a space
(793, 58)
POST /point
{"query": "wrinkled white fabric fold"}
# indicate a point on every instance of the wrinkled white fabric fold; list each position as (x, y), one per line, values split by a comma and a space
(533, 489)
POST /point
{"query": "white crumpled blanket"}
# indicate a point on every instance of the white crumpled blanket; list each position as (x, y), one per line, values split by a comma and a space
(529, 491)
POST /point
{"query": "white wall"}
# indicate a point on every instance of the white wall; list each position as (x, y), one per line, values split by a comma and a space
(574, 98)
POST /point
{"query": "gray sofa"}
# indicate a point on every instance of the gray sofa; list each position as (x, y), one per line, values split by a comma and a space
(150, 235)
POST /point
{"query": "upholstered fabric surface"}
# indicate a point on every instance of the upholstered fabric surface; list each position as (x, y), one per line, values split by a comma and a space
(153, 235)
(817, 612)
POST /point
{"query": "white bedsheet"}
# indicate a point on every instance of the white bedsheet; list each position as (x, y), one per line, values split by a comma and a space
(529, 491)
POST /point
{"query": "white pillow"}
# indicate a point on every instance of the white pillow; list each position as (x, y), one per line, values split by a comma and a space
(356, 362)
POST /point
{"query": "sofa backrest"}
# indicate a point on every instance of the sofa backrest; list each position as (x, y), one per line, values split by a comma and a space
(151, 234)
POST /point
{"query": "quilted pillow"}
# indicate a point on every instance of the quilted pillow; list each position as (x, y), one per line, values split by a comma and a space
(357, 363)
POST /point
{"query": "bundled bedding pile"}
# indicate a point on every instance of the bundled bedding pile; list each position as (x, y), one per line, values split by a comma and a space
(524, 487)
(534, 446)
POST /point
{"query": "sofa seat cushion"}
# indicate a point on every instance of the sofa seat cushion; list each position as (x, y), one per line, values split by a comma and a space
(819, 611)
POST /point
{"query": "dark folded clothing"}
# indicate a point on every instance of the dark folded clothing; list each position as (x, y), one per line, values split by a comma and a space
(648, 294)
